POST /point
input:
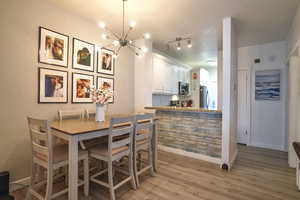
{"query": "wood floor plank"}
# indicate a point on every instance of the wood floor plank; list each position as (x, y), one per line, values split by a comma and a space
(258, 174)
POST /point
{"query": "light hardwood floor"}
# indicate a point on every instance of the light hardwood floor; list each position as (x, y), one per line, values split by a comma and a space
(258, 174)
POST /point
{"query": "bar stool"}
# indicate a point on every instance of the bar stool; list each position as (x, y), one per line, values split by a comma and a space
(143, 144)
(120, 144)
(50, 157)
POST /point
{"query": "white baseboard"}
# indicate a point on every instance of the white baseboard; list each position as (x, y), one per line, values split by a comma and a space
(268, 146)
(19, 184)
(190, 154)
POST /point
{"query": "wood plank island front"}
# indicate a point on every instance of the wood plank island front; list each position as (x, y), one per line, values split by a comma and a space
(191, 132)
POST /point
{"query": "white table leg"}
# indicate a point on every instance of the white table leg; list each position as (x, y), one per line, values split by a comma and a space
(73, 168)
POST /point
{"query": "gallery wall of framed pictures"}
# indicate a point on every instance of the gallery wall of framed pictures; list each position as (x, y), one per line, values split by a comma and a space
(89, 68)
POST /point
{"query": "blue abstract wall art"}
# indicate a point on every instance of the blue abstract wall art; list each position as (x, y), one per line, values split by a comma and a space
(267, 85)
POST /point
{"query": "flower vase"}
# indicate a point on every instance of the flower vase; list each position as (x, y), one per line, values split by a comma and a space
(100, 114)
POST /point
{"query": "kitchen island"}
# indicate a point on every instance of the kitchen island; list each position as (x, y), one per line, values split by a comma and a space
(191, 132)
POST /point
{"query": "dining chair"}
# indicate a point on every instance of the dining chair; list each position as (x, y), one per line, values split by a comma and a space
(143, 134)
(71, 113)
(50, 157)
(120, 144)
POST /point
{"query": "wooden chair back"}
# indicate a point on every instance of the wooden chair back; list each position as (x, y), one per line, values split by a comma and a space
(143, 128)
(69, 114)
(90, 113)
(120, 136)
(41, 141)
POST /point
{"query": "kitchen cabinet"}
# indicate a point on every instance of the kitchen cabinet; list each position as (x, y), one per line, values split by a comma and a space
(166, 75)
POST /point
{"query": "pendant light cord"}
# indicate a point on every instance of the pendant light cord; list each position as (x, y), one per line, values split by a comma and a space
(123, 18)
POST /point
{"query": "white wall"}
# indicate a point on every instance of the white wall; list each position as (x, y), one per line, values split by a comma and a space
(229, 111)
(293, 104)
(220, 80)
(293, 37)
(268, 124)
(143, 71)
(19, 21)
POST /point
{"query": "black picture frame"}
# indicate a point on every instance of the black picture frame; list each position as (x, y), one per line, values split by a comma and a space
(99, 53)
(74, 58)
(85, 101)
(113, 80)
(41, 59)
(39, 87)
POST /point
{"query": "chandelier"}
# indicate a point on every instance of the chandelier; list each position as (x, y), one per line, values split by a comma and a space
(122, 40)
(177, 42)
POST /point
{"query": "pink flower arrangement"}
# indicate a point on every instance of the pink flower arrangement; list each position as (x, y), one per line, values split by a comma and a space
(102, 95)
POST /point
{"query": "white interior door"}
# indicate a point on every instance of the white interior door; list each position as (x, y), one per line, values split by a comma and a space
(243, 120)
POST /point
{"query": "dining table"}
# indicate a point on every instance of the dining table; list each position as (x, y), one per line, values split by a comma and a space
(76, 130)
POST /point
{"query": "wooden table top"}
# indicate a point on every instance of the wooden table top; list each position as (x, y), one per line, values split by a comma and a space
(81, 126)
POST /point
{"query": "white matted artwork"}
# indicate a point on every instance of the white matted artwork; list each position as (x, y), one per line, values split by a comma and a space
(53, 86)
(81, 88)
(53, 47)
(83, 55)
(106, 62)
(107, 83)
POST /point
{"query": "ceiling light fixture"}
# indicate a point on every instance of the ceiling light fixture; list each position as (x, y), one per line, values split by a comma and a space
(189, 42)
(123, 40)
(212, 62)
(178, 46)
(178, 41)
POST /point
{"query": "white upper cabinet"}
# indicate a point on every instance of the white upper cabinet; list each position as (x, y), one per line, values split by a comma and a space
(166, 75)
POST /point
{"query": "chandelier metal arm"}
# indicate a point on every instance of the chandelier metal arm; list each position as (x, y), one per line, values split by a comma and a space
(116, 36)
(132, 45)
(126, 35)
(107, 46)
(132, 49)
(118, 50)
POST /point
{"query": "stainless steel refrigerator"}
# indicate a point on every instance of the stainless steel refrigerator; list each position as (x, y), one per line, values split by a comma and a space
(203, 97)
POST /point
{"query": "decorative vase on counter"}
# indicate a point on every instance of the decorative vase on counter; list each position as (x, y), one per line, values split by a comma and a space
(100, 113)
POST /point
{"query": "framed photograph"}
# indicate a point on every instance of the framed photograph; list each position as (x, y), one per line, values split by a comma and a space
(267, 85)
(105, 82)
(53, 86)
(83, 55)
(81, 87)
(53, 47)
(106, 62)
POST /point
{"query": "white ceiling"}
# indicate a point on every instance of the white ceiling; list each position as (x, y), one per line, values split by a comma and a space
(257, 21)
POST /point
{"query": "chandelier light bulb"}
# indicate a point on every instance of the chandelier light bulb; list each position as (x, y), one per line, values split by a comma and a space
(132, 24)
(147, 36)
(139, 55)
(116, 43)
(102, 25)
(144, 49)
(104, 36)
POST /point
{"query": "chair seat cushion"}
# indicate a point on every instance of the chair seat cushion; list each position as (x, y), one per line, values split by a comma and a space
(102, 150)
(143, 131)
(61, 153)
